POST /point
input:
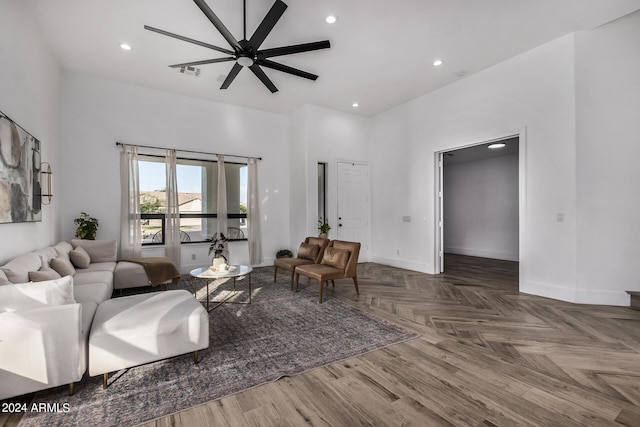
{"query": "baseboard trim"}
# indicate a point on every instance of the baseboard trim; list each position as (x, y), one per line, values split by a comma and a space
(407, 265)
(577, 296)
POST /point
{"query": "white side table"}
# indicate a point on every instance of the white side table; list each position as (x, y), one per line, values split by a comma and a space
(234, 272)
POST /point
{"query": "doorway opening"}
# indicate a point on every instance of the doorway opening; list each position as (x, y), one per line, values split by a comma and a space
(480, 201)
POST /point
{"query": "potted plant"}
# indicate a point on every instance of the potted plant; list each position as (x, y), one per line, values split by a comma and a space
(86, 226)
(284, 253)
(219, 249)
(323, 228)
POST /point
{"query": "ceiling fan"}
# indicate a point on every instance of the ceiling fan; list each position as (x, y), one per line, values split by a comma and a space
(247, 53)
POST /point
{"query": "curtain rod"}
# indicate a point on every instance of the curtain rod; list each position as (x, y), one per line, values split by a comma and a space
(189, 151)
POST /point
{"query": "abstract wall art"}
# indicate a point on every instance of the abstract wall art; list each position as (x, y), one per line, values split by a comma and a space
(20, 189)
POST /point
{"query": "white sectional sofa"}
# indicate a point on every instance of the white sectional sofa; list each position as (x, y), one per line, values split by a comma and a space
(45, 324)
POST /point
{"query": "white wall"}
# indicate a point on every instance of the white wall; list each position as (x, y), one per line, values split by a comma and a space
(96, 113)
(608, 158)
(533, 91)
(29, 94)
(481, 208)
(298, 174)
(327, 136)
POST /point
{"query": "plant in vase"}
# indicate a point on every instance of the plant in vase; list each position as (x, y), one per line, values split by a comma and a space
(219, 249)
(284, 253)
(87, 226)
(323, 228)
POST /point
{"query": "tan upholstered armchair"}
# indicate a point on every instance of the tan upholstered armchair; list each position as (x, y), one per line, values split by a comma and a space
(340, 261)
(309, 252)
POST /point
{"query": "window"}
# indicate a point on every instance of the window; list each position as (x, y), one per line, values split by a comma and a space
(322, 191)
(197, 199)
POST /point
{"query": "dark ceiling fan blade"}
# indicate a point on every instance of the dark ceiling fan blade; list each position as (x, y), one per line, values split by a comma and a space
(286, 69)
(186, 39)
(203, 62)
(232, 75)
(263, 78)
(218, 24)
(296, 48)
(267, 24)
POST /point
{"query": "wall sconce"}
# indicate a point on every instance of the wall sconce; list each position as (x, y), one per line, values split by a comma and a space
(46, 177)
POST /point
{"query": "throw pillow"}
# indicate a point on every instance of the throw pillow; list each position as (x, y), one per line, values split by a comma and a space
(43, 275)
(24, 296)
(3, 279)
(79, 257)
(63, 266)
(337, 258)
(307, 251)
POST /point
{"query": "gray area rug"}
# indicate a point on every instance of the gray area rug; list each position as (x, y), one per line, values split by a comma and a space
(280, 334)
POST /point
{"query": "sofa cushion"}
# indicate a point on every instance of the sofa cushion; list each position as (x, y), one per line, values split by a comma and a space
(98, 250)
(308, 251)
(98, 266)
(79, 257)
(63, 249)
(63, 266)
(92, 292)
(17, 270)
(84, 277)
(47, 253)
(24, 296)
(337, 258)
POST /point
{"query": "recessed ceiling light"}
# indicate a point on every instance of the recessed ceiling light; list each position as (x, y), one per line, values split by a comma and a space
(498, 145)
(355, 105)
(331, 19)
(125, 46)
(437, 62)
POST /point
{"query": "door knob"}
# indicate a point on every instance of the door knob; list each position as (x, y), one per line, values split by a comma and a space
(339, 225)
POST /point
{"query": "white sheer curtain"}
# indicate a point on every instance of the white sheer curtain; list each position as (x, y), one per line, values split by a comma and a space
(253, 213)
(221, 209)
(130, 223)
(172, 227)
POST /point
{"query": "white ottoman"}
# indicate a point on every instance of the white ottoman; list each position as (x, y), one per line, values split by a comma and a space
(139, 329)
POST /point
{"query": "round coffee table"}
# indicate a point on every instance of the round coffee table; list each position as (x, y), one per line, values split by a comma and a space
(234, 272)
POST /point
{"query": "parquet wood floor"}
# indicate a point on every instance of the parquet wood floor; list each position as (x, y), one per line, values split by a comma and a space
(488, 356)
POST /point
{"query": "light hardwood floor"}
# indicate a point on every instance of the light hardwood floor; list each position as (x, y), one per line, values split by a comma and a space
(488, 355)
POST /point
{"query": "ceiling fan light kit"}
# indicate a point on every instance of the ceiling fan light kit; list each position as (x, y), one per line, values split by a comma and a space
(247, 53)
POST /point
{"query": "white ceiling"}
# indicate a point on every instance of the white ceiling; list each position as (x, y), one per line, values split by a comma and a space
(482, 152)
(381, 51)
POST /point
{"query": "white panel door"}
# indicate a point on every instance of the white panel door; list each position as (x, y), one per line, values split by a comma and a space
(354, 204)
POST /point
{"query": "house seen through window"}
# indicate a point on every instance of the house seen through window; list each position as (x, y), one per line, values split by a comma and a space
(197, 199)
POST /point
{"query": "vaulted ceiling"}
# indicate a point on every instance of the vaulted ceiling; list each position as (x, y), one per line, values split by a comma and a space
(381, 54)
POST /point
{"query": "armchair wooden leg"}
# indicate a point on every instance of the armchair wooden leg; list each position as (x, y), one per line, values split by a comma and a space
(355, 282)
(72, 388)
(196, 359)
(296, 280)
(333, 283)
(320, 297)
(292, 274)
(275, 273)
(105, 376)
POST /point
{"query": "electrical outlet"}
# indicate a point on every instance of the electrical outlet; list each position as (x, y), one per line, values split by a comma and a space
(193, 257)
(398, 252)
(560, 217)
